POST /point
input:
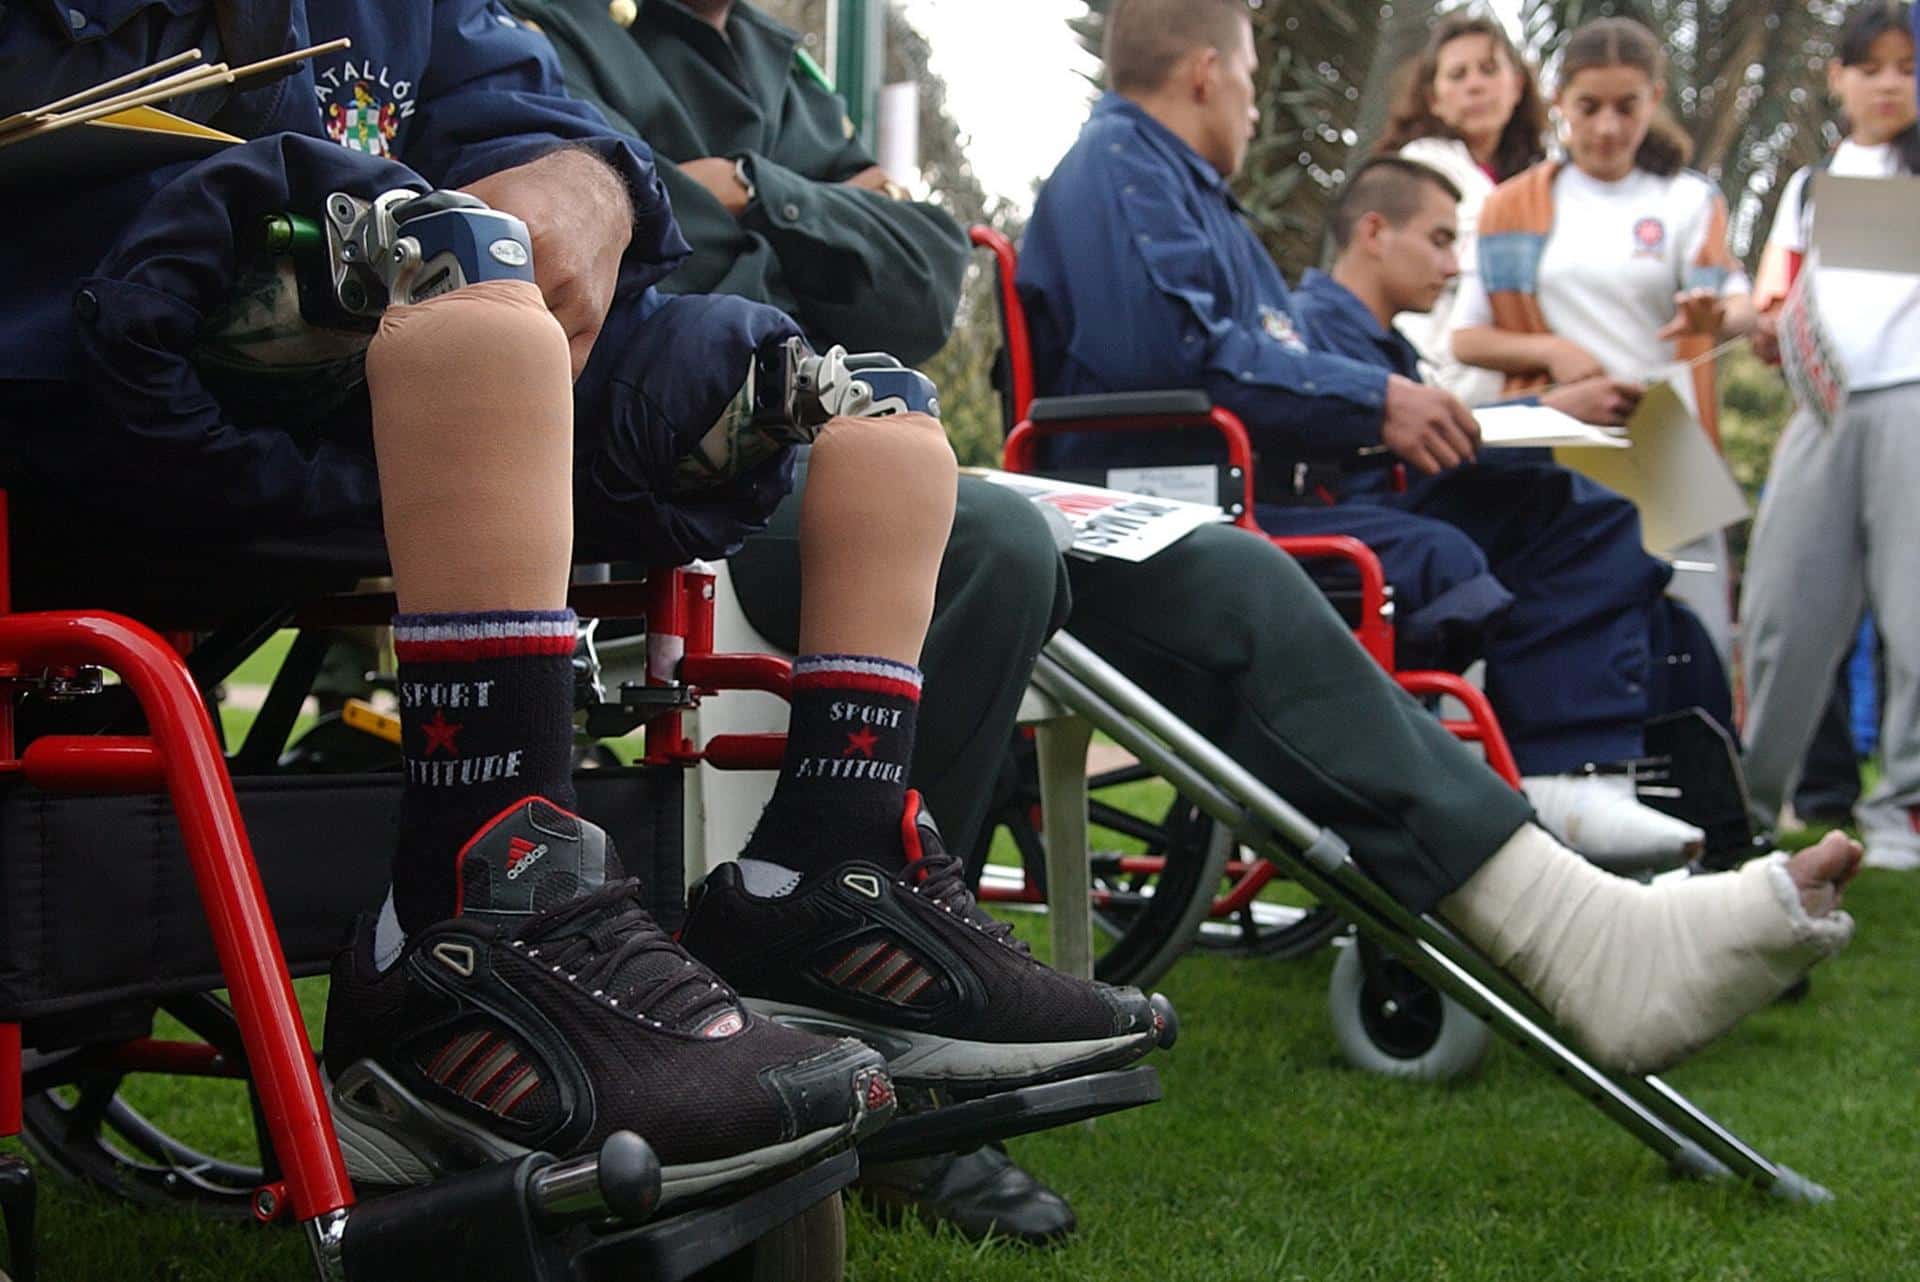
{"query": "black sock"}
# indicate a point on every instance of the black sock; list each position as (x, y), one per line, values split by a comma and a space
(843, 785)
(486, 719)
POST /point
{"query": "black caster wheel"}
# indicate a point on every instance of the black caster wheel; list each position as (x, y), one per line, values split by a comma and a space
(1387, 1020)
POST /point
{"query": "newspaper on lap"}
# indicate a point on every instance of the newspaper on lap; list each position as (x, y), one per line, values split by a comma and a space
(1108, 524)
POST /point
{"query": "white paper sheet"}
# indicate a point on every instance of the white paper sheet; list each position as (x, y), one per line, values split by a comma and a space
(1515, 426)
(1868, 224)
(1108, 523)
(1673, 474)
(1190, 483)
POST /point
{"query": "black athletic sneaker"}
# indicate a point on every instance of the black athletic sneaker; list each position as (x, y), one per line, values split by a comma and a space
(551, 1011)
(904, 959)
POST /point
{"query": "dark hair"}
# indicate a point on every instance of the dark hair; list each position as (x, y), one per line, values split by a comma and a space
(1863, 26)
(1521, 144)
(1386, 185)
(1145, 38)
(1622, 42)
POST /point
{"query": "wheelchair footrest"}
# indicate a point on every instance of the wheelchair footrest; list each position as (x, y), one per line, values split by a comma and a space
(928, 1125)
(499, 1224)
(681, 1245)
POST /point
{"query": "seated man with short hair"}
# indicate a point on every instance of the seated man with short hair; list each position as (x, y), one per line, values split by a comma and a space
(513, 993)
(1140, 272)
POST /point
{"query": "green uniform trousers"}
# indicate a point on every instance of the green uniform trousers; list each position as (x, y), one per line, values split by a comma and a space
(1225, 630)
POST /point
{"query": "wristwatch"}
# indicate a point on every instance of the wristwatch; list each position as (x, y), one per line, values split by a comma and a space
(746, 182)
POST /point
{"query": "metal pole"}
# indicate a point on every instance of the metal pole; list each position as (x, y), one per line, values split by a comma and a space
(859, 38)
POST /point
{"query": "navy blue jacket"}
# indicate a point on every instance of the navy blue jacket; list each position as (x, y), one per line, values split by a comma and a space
(433, 93)
(1139, 272)
(1333, 319)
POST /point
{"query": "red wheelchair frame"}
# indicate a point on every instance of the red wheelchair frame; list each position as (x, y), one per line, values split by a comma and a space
(181, 757)
(1373, 629)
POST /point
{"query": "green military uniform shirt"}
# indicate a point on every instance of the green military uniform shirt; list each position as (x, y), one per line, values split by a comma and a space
(854, 267)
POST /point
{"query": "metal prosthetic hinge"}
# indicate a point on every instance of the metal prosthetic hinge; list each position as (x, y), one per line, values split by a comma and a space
(402, 247)
(820, 386)
(790, 393)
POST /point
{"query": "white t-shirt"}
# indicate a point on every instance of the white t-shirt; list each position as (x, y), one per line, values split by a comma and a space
(1616, 256)
(1874, 317)
(1432, 332)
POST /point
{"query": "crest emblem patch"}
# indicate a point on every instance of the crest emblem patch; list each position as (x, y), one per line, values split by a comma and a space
(363, 106)
(1280, 328)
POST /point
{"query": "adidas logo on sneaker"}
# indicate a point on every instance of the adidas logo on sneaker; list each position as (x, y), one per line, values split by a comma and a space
(522, 855)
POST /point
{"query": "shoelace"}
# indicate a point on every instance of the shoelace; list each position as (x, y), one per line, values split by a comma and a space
(608, 941)
(943, 879)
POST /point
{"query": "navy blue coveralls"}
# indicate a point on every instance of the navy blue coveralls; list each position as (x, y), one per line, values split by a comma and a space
(110, 274)
(1139, 272)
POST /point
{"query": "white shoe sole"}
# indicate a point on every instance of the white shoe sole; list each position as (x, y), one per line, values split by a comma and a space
(926, 1059)
(1891, 859)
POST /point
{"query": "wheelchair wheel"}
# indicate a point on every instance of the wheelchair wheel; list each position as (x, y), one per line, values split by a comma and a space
(1389, 1021)
(159, 1139)
(1158, 862)
(91, 1134)
(811, 1247)
(1151, 918)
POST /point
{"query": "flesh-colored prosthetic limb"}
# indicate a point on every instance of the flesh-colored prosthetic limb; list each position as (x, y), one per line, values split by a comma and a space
(1644, 975)
(873, 527)
(473, 432)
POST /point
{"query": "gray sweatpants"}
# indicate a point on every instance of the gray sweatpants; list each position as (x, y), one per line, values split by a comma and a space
(1838, 531)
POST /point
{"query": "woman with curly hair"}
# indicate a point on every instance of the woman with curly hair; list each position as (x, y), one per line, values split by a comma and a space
(1468, 105)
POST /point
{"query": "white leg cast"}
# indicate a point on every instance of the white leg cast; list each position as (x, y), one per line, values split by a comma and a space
(1644, 975)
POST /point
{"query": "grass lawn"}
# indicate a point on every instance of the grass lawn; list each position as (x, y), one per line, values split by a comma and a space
(1269, 1159)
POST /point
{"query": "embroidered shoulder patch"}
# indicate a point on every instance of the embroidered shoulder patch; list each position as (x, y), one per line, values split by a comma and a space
(1280, 328)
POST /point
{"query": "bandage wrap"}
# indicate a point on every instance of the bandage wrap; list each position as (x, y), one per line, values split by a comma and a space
(1642, 975)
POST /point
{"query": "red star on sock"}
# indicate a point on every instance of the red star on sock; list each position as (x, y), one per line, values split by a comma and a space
(440, 732)
(861, 741)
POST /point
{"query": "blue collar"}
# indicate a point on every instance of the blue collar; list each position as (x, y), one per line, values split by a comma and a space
(1334, 294)
(1209, 178)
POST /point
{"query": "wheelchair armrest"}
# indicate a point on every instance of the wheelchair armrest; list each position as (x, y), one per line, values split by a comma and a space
(1373, 629)
(1138, 412)
(1108, 405)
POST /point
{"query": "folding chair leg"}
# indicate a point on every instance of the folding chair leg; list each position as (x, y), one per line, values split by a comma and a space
(1690, 1141)
(1061, 747)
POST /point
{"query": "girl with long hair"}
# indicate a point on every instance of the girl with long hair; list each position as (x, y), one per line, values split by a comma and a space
(1468, 105)
(1614, 261)
(1838, 522)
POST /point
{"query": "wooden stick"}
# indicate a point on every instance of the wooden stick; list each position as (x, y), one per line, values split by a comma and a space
(113, 106)
(192, 77)
(42, 120)
(21, 118)
(297, 55)
(1677, 367)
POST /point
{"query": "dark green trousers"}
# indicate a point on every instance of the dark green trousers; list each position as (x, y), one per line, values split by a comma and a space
(1234, 638)
(1225, 630)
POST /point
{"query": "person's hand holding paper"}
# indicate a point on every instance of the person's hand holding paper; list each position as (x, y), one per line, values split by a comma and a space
(1673, 474)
